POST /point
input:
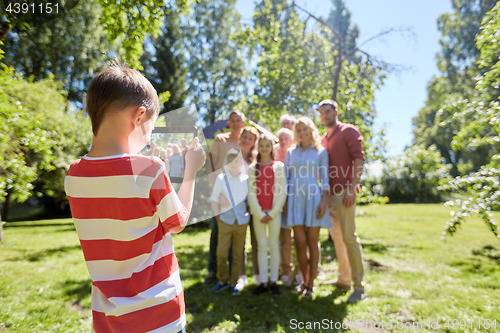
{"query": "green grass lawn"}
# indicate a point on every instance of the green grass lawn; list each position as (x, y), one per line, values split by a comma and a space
(413, 278)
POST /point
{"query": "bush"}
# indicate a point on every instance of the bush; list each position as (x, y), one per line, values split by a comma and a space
(39, 139)
(416, 176)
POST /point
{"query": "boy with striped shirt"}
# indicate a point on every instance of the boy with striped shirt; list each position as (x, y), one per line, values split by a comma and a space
(125, 209)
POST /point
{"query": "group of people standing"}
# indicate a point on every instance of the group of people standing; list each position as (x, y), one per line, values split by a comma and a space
(274, 188)
(173, 156)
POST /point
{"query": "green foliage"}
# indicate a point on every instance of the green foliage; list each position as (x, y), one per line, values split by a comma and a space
(298, 62)
(217, 72)
(457, 60)
(23, 20)
(127, 21)
(368, 194)
(46, 49)
(416, 176)
(459, 53)
(166, 67)
(290, 65)
(481, 128)
(39, 138)
(487, 42)
(482, 188)
(131, 20)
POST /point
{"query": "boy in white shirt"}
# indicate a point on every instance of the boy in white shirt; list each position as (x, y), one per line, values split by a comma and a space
(232, 221)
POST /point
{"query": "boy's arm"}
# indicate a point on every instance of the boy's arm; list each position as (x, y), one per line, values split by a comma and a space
(195, 159)
(214, 199)
(215, 207)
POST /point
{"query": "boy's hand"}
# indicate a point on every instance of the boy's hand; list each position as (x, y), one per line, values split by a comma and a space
(224, 203)
(195, 156)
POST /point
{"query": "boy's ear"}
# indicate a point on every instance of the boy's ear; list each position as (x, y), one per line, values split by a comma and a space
(139, 115)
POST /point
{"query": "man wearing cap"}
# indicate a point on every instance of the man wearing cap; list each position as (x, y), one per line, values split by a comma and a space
(346, 159)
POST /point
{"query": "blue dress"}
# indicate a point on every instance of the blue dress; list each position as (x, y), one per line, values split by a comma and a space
(304, 193)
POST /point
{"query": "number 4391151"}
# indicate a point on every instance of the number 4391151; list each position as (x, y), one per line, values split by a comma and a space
(480, 324)
(24, 8)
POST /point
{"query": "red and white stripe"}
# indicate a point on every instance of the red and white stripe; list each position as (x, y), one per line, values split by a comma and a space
(123, 208)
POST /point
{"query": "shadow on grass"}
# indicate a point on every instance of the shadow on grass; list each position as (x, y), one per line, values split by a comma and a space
(37, 256)
(247, 312)
(489, 252)
(263, 313)
(192, 260)
(77, 290)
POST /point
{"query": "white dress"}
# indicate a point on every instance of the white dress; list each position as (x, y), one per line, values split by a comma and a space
(176, 165)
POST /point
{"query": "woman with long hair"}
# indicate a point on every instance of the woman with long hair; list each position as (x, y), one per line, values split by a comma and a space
(247, 145)
(307, 209)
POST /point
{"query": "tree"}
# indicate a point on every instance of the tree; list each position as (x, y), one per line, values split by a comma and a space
(290, 63)
(39, 139)
(482, 128)
(46, 49)
(131, 20)
(457, 62)
(126, 20)
(166, 67)
(24, 18)
(216, 59)
(299, 65)
(489, 60)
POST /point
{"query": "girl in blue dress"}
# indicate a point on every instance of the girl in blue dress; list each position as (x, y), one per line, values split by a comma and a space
(307, 209)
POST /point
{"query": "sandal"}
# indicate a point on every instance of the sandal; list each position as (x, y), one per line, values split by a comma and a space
(300, 288)
(308, 292)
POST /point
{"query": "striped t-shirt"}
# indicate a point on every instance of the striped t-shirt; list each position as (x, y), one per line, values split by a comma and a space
(123, 208)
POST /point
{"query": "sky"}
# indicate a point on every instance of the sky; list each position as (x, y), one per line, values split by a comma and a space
(404, 93)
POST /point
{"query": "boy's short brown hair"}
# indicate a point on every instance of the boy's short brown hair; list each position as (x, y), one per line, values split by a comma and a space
(119, 87)
(231, 155)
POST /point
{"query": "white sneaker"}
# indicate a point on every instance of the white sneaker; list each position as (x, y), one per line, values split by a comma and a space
(357, 295)
(256, 280)
(242, 282)
(287, 280)
(299, 279)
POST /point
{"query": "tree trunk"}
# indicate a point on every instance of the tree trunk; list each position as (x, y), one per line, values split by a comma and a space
(336, 74)
(212, 109)
(4, 30)
(1, 229)
(6, 205)
(338, 65)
